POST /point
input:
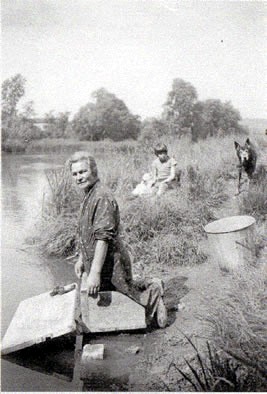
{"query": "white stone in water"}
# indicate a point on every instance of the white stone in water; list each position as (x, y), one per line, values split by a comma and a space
(133, 349)
(92, 352)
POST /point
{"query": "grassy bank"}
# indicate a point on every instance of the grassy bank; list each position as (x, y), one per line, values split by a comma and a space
(60, 145)
(163, 231)
(40, 146)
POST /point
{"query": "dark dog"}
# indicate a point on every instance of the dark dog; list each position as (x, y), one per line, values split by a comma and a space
(247, 161)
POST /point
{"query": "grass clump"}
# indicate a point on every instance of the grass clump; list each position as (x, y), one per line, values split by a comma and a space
(239, 321)
(58, 227)
(254, 202)
(235, 360)
(167, 231)
(218, 371)
(164, 232)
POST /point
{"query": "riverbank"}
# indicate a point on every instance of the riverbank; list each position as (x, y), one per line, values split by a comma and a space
(60, 145)
(210, 306)
(46, 145)
(214, 340)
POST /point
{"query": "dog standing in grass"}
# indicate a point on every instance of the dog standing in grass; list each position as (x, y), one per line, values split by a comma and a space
(247, 161)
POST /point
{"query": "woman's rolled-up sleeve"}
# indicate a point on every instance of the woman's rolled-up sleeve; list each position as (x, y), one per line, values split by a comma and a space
(105, 223)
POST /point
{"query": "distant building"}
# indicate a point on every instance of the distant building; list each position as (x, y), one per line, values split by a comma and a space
(40, 122)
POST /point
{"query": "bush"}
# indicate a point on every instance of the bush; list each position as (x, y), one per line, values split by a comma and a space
(14, 145)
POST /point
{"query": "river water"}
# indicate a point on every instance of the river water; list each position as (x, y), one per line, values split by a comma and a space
(23, 272)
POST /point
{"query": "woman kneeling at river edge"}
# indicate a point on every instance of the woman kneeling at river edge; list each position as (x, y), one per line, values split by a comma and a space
(102, 254)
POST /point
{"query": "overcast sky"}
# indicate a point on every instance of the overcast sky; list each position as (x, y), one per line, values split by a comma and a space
(66, 49)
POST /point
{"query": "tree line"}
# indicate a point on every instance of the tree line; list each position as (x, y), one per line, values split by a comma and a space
(106, 116)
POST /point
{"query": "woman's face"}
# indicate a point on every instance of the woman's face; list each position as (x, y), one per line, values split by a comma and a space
(82, 174)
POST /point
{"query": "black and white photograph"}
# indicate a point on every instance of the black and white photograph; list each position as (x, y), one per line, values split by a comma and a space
(134, 196)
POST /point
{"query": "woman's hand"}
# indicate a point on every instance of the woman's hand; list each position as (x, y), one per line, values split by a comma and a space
(93, 282)
(79, 267)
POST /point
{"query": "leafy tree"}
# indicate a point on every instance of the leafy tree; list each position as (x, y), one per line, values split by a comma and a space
(13, 90)
(56, 124)
(62, 122)
(153, 128)
(178, 109)
(17, 126)
(108, 117)
(200, 127)
(28, 110)
(50, 117)
(213, 117)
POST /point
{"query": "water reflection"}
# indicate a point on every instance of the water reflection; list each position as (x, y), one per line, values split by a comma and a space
(23, 272)
(55, 357)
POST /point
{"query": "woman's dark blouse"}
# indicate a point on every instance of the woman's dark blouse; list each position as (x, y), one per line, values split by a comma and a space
(99, 220)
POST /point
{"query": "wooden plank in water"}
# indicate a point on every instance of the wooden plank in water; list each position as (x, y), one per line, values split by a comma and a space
(40, 318)
(77, 382)
(84, 299)
(110, 311)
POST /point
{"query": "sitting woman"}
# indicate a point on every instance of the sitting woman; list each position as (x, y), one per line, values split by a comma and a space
(163, 170)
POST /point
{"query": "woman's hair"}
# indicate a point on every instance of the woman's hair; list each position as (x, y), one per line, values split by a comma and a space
(83, 156)
(160, 148)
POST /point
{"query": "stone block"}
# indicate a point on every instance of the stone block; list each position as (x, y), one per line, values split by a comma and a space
(92, 352)
(41, 318)
(111, 311)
